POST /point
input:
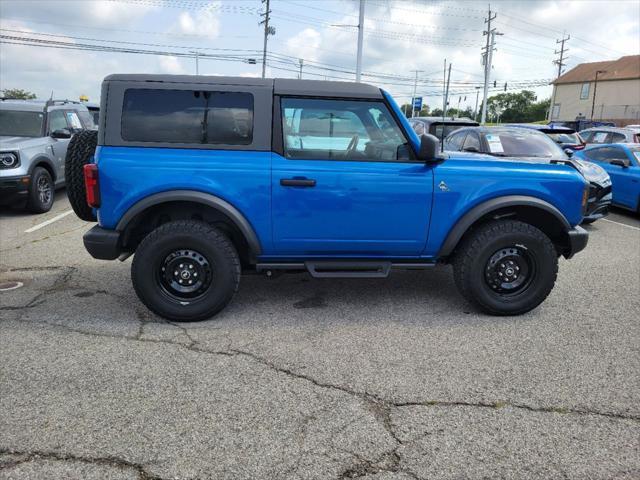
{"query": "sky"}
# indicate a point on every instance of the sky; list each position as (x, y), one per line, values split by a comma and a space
(67, 47)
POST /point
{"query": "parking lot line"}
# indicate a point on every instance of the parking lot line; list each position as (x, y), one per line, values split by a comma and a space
(48, 222)
(618, 223)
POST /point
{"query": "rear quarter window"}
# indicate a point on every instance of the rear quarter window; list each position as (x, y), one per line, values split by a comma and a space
(187, 116)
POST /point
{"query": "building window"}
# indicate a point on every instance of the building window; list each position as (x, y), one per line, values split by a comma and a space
(584, 91)
(555, 111)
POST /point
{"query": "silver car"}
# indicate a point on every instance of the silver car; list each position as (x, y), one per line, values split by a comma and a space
(610, 135)
(33, 143)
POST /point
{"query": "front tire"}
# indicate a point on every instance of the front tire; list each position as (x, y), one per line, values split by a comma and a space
(186, 271)
(41, 191)
(506, 267)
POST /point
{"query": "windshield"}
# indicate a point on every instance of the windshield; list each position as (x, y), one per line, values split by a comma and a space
(571, 138)
(16, 123)
(515, 144)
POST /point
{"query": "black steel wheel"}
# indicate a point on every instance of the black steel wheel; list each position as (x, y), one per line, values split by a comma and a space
(41, 191)
(186, 270)
(505, 267)
(185, 275)
(510, 270)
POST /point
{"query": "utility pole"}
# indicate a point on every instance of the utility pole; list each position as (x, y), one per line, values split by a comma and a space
(560, 63)
(301, 64)
(475, 110)
(446, 95)
(267, 31)
(415, 87)
(595, 89)
(197, 69)
(487, 59)
(360, 36)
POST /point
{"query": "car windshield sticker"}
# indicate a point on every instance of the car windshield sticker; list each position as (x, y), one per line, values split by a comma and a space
(495, 145)
(74, 120)
(600, 137)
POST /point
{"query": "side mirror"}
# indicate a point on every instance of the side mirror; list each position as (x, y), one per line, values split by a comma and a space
(620, 162)
(569, 152)
(61, 133)
(429, 148)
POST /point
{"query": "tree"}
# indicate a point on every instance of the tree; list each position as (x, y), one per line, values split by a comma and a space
(18, 94)
(517, 107)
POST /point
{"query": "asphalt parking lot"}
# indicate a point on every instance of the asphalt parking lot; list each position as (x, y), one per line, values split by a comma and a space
(315, 379)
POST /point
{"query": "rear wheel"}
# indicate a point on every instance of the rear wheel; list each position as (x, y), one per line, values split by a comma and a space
(506, 267)
(79, 152)
(186, 271)
(41, 191)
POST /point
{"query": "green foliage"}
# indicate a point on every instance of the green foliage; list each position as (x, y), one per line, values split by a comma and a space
(519, 107)
(18, 94)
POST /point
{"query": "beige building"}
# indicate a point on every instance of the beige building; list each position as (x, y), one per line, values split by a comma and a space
(607, 91)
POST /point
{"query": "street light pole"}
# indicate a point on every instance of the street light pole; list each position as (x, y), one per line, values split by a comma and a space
(360, 35)
(413, 97)
(595, 89)
(301, 64)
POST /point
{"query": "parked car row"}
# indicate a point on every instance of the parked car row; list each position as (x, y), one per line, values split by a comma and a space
(612, 169)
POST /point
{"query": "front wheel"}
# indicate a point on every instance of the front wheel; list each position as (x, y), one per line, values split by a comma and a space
(41, 191)
(186, 271)
(506, 267)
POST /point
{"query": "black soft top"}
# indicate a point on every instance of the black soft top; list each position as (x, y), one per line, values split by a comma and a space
(280, 86)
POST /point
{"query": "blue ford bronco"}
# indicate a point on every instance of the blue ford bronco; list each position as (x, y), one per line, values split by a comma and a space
(202, 178)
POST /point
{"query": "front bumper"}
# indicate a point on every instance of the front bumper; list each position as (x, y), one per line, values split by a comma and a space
(14, 189)
(598, 203)
(578, 238)
(103, 244)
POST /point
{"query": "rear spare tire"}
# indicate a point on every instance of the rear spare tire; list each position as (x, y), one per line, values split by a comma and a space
(79, 153)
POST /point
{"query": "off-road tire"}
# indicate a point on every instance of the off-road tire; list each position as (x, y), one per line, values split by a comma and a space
(184, 236)
(79, 152)
(471, 264)
(35, 202)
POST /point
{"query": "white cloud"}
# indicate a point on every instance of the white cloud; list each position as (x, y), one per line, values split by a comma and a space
(172, 65)
(205, 22)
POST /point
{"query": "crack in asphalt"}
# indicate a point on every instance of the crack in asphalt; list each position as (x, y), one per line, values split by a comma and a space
(109, 461)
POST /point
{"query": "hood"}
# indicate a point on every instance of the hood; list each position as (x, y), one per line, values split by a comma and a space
(592, 173)
(16, 143)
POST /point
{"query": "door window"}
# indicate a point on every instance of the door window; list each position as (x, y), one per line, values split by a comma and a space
(617, 138)
(57, 121)
(317, 129)
(471, 143)
(454, 142)
(600, 137)
(606, 154)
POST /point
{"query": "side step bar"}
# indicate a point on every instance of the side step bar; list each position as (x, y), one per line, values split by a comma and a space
(343, 269)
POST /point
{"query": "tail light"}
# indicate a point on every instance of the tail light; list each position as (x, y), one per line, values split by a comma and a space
(578, 147)
(91, 185)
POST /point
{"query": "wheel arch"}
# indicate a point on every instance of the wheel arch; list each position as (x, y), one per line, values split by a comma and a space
(190, 204)
(46, 163)
(531, 210)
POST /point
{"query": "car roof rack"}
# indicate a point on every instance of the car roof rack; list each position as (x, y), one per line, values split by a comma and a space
(52, 102)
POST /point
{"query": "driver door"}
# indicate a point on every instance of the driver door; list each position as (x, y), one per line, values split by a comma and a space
(346, 183)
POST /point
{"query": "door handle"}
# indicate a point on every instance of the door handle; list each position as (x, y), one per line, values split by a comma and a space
(297, 182)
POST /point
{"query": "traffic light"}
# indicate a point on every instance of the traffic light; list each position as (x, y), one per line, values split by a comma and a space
(495, 83)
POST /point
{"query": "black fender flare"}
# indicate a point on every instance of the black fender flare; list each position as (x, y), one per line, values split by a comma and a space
(197, 197)
(477, 212)
(40, 159)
